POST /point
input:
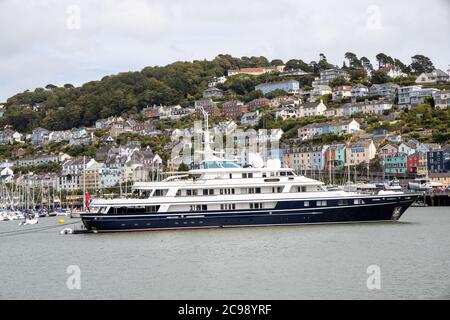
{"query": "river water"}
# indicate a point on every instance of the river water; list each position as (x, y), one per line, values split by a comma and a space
(292, 262)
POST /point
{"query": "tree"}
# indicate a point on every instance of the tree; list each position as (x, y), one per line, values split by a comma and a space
(353, 60)
(365, 62)
(50, 87)
(379, 76)
(276, 62)
(403, 67)
(183, 167)
(383, 60)
(421, 64)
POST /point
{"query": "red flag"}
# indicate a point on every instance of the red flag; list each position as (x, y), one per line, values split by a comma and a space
(87, 200)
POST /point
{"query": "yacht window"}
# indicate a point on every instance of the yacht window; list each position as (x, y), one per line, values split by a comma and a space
(301, 189)
(160, 192)
(282, 174)
(256, 205)
(228, 206)
(342, 202)
(306, 204)
(192, 192)
(208, 192)
(290, 173)
(227, 191)
(358, 201)
(277, 189)
(199, 207)
(178, 193)
(151, 209)
(251, 190)
(321, 203)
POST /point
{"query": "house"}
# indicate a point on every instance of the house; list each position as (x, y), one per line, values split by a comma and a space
(293, 72)
(413, 95)
(317, 129)
(6, 175)
(286, 101)
(386, 90)
(329, 75)
(360, 152)
(334, 112)
(212, 93)
(256, 103)
(436, 76)
(406, 148)
(388, 150)
(216, 80)
(442, 99)
(39, 136)
(40, 160)
(358, 91)
(150, 112)
(439, 160)
(413, 163)
(255, 71)
(287, 113)
(335, 157)
(209, 106)
(394, 72)
(91, 179)
(251, 118)
(377, 107)
(318, 91)
(443, 177)
(233, 110)
(342, 92)
(421, 96)
(289, 86)
(311, 109)
(71, 171)
(9, 136)
(305, 158)
(395, 163)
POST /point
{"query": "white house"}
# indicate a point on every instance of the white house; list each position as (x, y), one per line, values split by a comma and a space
(442, 99)
(435, 76)
(359, 90)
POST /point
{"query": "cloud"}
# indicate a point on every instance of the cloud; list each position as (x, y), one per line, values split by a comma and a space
(37, 47)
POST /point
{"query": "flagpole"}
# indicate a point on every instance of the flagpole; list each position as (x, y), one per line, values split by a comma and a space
(84, 183)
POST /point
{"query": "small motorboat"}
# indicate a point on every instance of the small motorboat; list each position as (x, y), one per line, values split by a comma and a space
(29, 222)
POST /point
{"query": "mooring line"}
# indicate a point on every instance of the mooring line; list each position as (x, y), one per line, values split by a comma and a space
(34, 230)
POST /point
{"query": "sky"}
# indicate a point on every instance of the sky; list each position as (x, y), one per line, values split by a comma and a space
(60, 41)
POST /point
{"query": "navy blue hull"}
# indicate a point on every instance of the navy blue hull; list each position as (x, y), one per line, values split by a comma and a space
(285, 213)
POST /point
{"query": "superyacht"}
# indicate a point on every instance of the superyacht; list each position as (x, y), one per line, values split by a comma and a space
(221, 193)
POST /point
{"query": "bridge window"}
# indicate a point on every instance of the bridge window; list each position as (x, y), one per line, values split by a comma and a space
(208, 192)
(199, 207)
(160, 192)
(227, 191)
(321, 203)
(191, 192)
(277, 189)
(228, 206)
